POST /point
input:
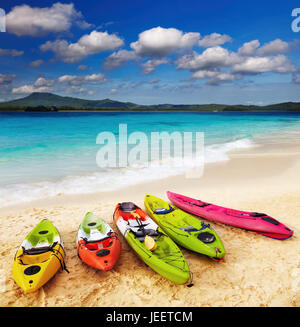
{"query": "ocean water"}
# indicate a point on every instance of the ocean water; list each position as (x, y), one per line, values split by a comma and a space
(44, 154)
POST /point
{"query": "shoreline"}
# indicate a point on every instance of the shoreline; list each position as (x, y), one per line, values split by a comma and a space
(286, 144)
(278, 155)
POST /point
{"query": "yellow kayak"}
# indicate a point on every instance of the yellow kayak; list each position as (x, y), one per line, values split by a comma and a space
(39, 257)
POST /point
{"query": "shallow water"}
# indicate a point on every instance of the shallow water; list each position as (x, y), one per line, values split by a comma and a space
(43, 154)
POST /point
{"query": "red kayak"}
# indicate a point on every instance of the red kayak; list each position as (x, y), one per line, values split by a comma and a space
(254, 221)
(97, 243)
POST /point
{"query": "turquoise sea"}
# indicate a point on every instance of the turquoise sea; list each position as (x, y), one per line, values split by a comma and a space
(43, 154)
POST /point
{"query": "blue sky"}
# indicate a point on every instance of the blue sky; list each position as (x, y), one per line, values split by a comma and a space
(151, 52)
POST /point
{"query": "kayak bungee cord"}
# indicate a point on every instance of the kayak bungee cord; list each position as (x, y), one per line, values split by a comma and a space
(50, 248)
(62, 262)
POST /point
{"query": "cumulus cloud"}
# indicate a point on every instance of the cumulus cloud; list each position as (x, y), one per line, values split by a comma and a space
(40, 85)
(75, 89)
(6, 80)
(41, 81)
(11, 52)
(216, 77)
(73, 84)
(88, 44)
(118, 58)
(150, 65)
(209, 59)
(274, 47)
(82, 67)
(214, 39)
(257, 65)
(218, 65)
(36, 63)
(248, 49)
(35, 21)
(223, 77)
(26, 89)
(160, 42)
(157, 43)
(80, 80)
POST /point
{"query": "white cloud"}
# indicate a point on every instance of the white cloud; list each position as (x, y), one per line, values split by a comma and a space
(113, 91)
(274, 47)
(40, 85)
(248, 48)
(41, 81)
(26, 89)
(80, 80)
(35, 21)
(204, 74)
(6, 80)
(36, 63)
(118, 58)
(160, 42)
(257, 65)
(11, 52)
(82, 67)
(154, 81)
(150, 65)
(216, 77)
(74, 84)
(214, 39)
(223, 77)
(77, 89)
(88, 44)
(209, 59)
(296, 79)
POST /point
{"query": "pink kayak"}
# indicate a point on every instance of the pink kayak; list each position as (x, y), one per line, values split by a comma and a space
(254, 221)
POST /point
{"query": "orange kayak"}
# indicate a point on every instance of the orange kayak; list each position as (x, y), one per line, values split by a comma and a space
(97, 244)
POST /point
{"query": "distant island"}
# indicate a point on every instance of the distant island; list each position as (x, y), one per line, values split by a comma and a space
(48, 102)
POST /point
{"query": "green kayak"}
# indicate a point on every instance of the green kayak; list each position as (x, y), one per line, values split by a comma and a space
(185, 229)
(151, 244)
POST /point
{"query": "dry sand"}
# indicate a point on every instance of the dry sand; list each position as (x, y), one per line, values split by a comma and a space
(257, 271)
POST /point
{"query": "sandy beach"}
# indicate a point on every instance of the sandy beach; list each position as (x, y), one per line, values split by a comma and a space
(256, 271)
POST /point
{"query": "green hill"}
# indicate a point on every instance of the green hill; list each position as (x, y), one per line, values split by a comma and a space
(52, 102)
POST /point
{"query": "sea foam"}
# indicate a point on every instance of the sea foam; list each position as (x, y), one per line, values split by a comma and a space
(112, 179)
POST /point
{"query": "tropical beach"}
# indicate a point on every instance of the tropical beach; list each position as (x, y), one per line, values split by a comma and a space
(149, 155)
(256, 271)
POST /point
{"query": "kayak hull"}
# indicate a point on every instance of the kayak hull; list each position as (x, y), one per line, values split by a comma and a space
(258, 222)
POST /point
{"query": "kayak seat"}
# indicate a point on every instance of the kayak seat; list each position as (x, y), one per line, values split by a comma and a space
(258, 214)
(191, 229)
(40, 237)
(202, 205)
(162, 211)
(93, 222)
(141, 234)
(128, 207)
(206, 237)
